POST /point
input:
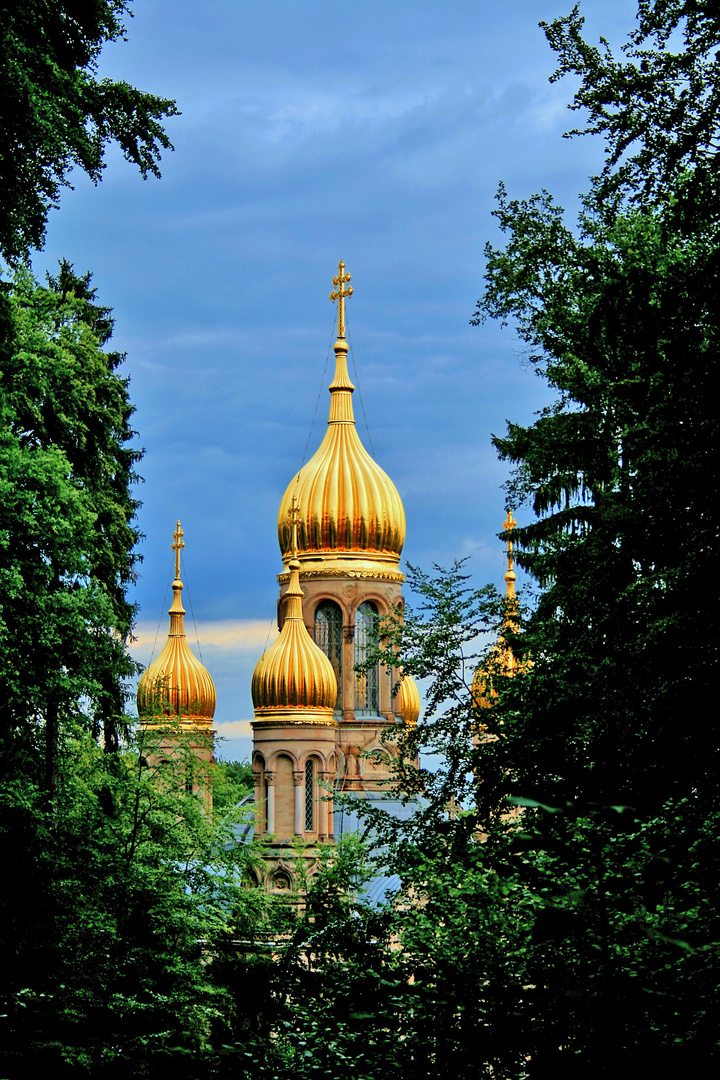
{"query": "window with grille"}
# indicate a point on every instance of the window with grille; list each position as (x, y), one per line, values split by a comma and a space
(329, 636)
(309, 797)
(367, 697)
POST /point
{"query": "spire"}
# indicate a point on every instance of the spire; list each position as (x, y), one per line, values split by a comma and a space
(177, 611)
(294, 593)
(501, 653)
(177, 545)
(294, 681)
(352, 516)
(510, 576)
(341, 389)
(510, 615)
(177, 683)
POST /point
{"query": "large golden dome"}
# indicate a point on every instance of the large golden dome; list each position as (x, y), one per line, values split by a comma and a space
(294, 681)
(352, 519)
(176, 685)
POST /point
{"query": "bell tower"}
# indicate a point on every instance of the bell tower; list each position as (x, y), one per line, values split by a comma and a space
(350, 535)
(176, 701)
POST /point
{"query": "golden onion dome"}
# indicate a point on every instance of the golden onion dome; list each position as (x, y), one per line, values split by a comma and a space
(408, 700)
(176, 684)
(294, 681)
(352, 514)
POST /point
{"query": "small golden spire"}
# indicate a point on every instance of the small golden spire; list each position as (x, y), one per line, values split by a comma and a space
(294, 518)
(339, 294)
(510, 577)
(177, 545)
(176, 683)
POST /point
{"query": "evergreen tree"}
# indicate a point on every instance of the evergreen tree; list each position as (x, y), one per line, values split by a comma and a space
(57, 115)
(564, 917)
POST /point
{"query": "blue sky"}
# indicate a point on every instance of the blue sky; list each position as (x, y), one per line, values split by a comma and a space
(374, 132)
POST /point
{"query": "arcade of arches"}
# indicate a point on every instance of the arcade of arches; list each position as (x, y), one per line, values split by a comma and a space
(341, 529)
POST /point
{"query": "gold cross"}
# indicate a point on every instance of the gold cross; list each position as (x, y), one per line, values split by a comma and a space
(294, 516)
(508, 524)
(339, 294)
(177, 546)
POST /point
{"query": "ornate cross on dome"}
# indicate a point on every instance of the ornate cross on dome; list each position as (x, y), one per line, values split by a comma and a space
(339, 294)
(508, 524)
(177, 545)
(294, 517)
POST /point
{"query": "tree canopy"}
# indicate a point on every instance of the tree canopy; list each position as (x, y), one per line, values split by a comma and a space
(58, 115)
(564, 916)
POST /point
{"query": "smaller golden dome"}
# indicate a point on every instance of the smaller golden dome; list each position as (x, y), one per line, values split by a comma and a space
(176, 684)
(407, 703)
(294, 681)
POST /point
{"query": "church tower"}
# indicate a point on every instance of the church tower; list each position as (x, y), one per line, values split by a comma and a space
(176, 702)
(295, 738)
(351, 530)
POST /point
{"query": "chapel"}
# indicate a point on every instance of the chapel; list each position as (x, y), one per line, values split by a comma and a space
(319, 721)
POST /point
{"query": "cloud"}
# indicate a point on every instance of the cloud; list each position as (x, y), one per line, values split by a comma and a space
(234, 729)
(228, 635)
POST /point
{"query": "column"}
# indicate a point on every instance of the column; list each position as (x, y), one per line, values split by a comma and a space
(348, 695)
(299, 778)
(260, 808)
(322, 807)
(270, 785)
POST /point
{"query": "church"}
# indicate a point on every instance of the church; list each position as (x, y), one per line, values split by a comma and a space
(320, 711)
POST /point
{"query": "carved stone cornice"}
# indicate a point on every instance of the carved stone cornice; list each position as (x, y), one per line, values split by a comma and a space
(381, 575)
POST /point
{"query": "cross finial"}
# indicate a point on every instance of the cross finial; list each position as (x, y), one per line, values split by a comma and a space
(294, 516)
(177, 545)
(508, 524)
(341, 279)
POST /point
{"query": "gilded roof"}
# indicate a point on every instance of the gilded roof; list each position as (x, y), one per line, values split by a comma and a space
(176, 684)
(294, 681)
(408, 700)
(352, 513)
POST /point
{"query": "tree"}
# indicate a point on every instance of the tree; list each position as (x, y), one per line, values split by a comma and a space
(564, 917)
(57, 115)
(657, 109)
(620, 316)
(123, 922)
(66, 522)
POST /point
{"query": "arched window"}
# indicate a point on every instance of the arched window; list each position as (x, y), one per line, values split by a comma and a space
(367, 698)
(309, 796)
(328, 635)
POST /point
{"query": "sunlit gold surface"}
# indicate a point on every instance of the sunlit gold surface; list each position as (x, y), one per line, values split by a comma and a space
(294, 678)
(501, 659)
(341, 279)
(351, 510)
(408, 700)
(177, 546)
(176, 684)
(333, 568)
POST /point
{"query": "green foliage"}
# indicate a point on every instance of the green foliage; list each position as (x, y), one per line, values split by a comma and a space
(57, 115)
(561, 915)
(232, 781)
(66, 518)
(118, 914)
(656, 107)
